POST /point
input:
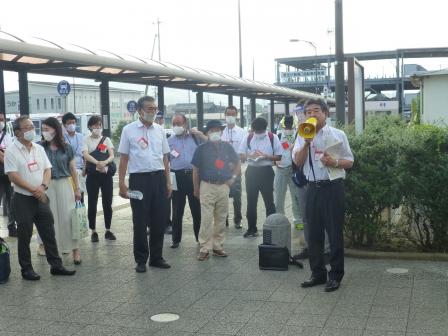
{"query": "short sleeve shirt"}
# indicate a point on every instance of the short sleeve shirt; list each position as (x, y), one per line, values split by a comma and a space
(145, 147)
(29, 164)
(77, 144)
(60, 161)
(262, 144)
(317, 148)
(91, 143)
(182, 149)
(233, 136)
(215, 161)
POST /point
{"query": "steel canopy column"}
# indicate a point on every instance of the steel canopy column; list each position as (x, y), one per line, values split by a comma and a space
(23, 93)
(229, 100)
(339, 67)
(286, 108)
(2, 93)
(271, 115)
(200, 110)
(161, 98)
(253, 109)
(242, 120)
(105, 107)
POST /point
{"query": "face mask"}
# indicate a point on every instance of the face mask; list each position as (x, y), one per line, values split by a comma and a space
(260, 136)
(149, 117)
(48, 136)
(289, 132)
(178, 130)
(2, 125)
(215, 136)
(231, 120)
(29, 135)
(70, 128)
(97, 131)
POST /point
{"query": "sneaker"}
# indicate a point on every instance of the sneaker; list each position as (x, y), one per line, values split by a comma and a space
(299, 226)
(41, 250)
(238, 225)
(250, 234)
(94, 237)
(109, 235)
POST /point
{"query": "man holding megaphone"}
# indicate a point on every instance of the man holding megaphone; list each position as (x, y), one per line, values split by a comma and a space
(324, 153)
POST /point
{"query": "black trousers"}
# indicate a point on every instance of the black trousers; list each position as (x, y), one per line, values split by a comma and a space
(235, 194)
(259, 179)
(29, 210)
(149, 212)
(6, 192)
(184, 180)
(95, 182)
(325, 206)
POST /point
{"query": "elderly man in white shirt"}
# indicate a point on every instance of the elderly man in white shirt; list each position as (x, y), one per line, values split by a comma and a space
(261, 148)
(324, 159)
(234, 135)
(29, 170)
(144, 152)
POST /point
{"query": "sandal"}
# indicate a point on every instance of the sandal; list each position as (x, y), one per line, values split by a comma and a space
(220, 253)
(203, 256)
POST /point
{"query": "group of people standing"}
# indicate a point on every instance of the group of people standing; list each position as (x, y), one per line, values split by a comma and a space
(49, 178)
(206, 169)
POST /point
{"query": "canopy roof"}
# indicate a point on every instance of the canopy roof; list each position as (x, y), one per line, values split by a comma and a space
(41, 56)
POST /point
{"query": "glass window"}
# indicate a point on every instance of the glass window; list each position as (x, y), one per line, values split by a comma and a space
(52, 103)
(38, 104)
(59, 104)
(45, 103)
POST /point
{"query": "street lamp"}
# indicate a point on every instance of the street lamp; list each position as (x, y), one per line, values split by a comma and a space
(315, 54)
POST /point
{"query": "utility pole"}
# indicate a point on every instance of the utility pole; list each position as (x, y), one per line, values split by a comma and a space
(158, 37)
(339, 68)
(241, 64)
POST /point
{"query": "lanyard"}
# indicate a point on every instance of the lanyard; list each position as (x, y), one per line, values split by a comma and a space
(26, 160)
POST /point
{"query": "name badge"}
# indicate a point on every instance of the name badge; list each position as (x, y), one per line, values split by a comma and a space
(285, 145)
(175, 153)
(219, 164)
(143, 143)
(32, 166)
(318, 155)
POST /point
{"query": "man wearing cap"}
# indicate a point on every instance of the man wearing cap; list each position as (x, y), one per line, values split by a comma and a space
(215, 164)
(144, 151)
(234, 135)
(284, 171)
(182, 147)
(261, 148)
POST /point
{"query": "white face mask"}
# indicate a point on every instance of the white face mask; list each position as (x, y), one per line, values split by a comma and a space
(231, 120)
(2, 125)
(260, 136)
(70, 128)
(289, 132)
(148, 117)
(29, 135)
(48, 136)
(97, 131)
(214, 136)
(178, 130)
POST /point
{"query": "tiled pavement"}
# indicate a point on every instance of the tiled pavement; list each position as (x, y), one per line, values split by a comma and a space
(221, 296)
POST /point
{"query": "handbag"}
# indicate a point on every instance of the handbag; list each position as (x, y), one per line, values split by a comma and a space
(80, 227)
(5, 265)
(273, 257)
(98, 155)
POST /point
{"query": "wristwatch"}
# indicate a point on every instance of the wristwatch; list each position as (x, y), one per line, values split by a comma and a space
(45, 186)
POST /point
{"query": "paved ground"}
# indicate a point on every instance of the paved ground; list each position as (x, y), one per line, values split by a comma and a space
(228, 296)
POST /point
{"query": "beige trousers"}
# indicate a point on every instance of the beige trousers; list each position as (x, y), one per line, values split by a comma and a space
(214, 209)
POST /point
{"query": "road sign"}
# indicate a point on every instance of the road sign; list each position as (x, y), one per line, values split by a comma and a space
(63, 88)
(132, 106)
